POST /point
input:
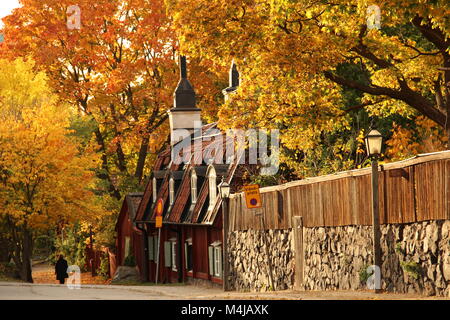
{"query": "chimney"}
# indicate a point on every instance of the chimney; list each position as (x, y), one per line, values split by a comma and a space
(184, 116)
(233, 81)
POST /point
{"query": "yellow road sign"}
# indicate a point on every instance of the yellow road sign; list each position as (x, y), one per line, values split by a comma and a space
(158, 222)
(252, 196)
(159, 211)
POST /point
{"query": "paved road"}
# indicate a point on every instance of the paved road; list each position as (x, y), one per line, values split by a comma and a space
(22, 291)
(19, 291)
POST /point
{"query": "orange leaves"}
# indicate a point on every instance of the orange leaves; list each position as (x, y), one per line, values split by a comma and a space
(120, 68)
(426, 137)
(401, 145)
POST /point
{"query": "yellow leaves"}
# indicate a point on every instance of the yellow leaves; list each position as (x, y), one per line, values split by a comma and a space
(45, 178)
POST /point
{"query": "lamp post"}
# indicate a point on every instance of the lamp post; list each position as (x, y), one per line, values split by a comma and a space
(373, 144)
(224, 190)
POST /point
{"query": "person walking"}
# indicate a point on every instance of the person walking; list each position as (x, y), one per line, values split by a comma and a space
(61, 269)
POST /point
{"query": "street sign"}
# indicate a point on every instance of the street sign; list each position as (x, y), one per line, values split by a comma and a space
(252, 196)
(158, 224)
(159, 211)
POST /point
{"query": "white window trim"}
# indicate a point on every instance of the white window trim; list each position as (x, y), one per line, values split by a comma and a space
(189, 243)
(127, 248)
(217, 260)
(171, 190)
(173, 253)
(212, 180)
(155, 192)
(194, 187)
(216, 244)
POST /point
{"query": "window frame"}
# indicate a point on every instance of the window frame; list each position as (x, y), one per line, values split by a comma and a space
(194, 180)
(171, 191)
(217, 261)
(155, 189)
(173, 249)
(187, 244)
(212, 185)
(127, 247)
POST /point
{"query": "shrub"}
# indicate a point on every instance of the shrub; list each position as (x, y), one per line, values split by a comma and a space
(398, 248)
(364, 275)
(130, 261)
(104, 266)
(411, 268)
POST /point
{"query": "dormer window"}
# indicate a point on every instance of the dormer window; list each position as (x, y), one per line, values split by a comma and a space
(154, 189)
(212, 180)
(193, 187)
(171, 190)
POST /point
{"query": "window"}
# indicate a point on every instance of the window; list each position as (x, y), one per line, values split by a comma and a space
(127, 247)
(188, 254)
(170, 254)
(212, 179)
(152, 248)
(194, 187)
(167, 254)
(215, 259)
(171, 190)
(155, 191)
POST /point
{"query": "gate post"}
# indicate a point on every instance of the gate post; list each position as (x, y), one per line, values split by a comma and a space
(299, 257)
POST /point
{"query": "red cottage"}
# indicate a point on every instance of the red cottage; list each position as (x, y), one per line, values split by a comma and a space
(129, 238)
(185, 177)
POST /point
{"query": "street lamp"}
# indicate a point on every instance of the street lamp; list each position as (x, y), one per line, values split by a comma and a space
(373, 144)
(224, 191)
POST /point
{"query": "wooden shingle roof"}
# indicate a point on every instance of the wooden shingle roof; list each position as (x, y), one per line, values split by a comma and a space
(182, 210)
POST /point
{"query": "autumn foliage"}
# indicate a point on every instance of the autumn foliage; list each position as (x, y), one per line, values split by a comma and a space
(316, 71)
(45, 179)
(119, 68)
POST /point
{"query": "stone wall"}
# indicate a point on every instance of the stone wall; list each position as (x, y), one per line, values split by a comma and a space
(415, 257)
(248, 261)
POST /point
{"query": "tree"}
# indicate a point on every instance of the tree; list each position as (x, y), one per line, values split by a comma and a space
(44, 178)
(299, 59)
(120, 70)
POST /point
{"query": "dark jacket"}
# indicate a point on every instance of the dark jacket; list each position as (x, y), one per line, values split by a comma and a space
(61, 269)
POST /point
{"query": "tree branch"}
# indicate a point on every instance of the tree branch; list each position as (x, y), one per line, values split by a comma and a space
(414, 99)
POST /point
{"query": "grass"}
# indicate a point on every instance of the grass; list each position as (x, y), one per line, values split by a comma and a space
(6, 278)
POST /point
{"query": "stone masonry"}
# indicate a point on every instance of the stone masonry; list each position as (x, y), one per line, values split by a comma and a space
(416, 258)
(249, 269)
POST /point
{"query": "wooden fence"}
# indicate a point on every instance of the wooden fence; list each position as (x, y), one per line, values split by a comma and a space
(412, 190)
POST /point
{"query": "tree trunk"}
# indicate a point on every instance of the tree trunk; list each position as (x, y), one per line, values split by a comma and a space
(448, 137)
(141, 159)
(104, 175)
(27, 249)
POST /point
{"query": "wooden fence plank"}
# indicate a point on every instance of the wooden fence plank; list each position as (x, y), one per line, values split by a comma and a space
(418, 192)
